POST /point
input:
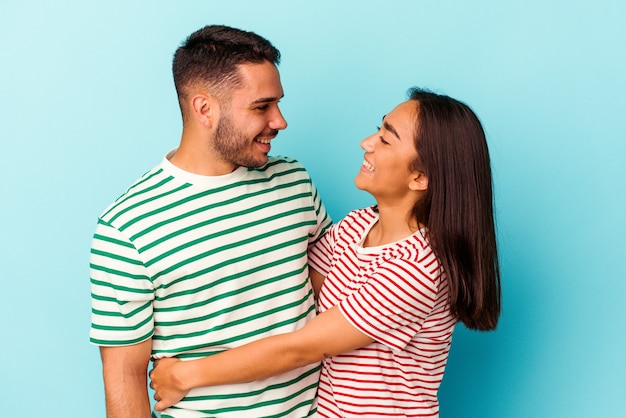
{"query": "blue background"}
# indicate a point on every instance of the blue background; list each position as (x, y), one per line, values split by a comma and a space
(87, 105)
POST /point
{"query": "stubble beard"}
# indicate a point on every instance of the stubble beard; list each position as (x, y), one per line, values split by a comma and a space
(233, 146)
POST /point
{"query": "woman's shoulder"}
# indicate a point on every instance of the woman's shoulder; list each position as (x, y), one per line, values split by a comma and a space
(415, 253)
(368, 213)
(358, 218)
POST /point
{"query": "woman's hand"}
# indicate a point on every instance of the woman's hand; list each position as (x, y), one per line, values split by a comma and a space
(169, 389)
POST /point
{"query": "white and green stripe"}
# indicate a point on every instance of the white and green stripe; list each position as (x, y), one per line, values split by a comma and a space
(203, 264)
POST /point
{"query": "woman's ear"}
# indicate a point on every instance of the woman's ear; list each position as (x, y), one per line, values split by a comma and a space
(419, 182)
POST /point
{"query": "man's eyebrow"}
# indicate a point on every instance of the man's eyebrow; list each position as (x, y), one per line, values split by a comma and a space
(267, 99)
(390, 128)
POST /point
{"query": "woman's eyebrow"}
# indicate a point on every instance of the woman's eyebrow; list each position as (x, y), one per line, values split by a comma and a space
(390, 128)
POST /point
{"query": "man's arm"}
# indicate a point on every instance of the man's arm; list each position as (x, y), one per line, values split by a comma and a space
(125, 372)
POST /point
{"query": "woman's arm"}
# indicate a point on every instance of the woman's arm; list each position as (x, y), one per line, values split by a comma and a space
(317, 280)
(326, 335)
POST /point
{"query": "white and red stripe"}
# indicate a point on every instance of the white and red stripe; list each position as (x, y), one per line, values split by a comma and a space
(397, 295)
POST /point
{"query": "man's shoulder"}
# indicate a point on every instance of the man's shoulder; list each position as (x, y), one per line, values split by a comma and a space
(140, 189)
(282, 165)
(283, 161)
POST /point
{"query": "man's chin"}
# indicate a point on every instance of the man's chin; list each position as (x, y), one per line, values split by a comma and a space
(257, 162)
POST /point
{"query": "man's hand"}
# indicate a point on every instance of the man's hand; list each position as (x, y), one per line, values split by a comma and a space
(165, 381)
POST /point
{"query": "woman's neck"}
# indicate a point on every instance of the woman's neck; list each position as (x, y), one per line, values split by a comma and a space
(393, 225)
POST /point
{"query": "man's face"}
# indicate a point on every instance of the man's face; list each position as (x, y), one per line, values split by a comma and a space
(251, 118)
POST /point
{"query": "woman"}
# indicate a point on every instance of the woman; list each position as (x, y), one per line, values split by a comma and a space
(399, 275)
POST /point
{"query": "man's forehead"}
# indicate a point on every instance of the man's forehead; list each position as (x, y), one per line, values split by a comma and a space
(260, 83)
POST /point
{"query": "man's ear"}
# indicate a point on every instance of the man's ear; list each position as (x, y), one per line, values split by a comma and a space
(205, 109)
(418, 182)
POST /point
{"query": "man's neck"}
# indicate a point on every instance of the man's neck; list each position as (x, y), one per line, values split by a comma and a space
(196, 157)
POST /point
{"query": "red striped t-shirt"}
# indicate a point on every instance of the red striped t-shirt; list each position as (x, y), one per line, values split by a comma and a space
(397, 295)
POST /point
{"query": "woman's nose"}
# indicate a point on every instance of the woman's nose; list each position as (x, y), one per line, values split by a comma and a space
(368, 143)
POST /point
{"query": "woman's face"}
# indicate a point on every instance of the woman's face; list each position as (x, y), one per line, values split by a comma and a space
(385, 172)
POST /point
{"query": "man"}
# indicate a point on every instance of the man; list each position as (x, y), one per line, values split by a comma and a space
(207, 251)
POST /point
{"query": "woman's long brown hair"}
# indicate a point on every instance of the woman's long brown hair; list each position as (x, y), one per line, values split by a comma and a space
(458, 205)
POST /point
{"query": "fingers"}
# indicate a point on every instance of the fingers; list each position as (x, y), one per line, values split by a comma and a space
(159, 406)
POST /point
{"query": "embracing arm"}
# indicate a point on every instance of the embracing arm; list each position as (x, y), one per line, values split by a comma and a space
(317, 279)
(125, 369)
(326, 335)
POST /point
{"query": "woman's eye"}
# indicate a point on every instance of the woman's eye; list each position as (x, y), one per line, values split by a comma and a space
(378, 128)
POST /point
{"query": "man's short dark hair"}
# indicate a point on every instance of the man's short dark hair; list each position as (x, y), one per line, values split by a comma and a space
(211, 56)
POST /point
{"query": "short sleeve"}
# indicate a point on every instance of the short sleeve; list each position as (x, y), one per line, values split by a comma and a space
(321, 253)
(394, 302)
(121, 291)
(323, 220)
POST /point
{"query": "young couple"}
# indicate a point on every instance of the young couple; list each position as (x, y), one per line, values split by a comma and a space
(202, 264)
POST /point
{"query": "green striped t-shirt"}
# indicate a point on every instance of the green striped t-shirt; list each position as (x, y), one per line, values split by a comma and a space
(201, 264)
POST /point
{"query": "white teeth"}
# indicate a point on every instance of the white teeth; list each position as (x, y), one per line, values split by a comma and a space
(264, 140)
(367, 165)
